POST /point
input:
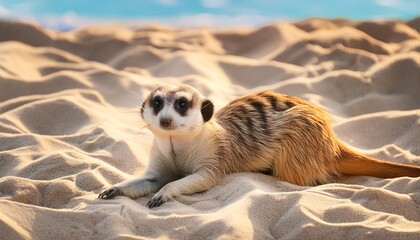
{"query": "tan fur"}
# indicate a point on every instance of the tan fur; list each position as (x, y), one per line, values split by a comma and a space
(288, 148)
(264, 132)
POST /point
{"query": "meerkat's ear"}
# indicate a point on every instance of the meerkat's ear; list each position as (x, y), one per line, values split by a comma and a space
(207, 110)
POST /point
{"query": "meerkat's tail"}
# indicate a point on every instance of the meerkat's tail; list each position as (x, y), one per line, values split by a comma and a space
(352, 163)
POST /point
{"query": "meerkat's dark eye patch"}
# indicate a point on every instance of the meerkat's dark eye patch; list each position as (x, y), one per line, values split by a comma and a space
(182, 105)
(157, 104)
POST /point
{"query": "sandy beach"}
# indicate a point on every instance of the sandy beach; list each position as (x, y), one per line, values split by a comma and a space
(70, 127)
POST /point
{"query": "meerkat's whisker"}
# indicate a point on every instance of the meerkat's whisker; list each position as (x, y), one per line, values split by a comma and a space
(146, 126)
(107, 119)
(135, 94)
(134, 136)
(170, 104)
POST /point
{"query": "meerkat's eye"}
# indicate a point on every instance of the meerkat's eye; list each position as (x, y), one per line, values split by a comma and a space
(157, 103)
(183, 104)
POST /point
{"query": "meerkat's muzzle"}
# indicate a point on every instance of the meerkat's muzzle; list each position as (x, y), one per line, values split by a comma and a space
(166, 123)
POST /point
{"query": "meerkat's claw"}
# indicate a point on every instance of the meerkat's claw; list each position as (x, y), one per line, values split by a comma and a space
(155, 202)
(109, 193)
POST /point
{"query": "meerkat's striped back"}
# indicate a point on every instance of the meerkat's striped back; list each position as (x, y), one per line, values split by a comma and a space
(294, 140)
(285, 135)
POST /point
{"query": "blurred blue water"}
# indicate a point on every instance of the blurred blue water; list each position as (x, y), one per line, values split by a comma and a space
(216, 13)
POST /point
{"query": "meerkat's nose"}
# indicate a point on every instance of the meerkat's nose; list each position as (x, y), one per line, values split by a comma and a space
(165, 122)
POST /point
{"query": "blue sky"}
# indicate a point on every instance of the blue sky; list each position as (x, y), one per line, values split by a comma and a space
(218, 13)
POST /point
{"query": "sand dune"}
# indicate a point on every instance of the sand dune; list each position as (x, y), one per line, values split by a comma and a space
(69, 127)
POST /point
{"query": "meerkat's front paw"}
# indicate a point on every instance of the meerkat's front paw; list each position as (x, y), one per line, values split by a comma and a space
(158, 199)
(110, 193)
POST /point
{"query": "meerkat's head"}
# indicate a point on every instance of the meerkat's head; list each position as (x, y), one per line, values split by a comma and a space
(176, 110)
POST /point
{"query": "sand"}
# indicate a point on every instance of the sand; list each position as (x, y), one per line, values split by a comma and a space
(70, 127)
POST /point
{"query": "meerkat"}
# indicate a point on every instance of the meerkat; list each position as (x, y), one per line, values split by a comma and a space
(267, 132)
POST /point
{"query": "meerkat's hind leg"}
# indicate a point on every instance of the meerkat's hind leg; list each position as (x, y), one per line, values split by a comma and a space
(296, 168)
